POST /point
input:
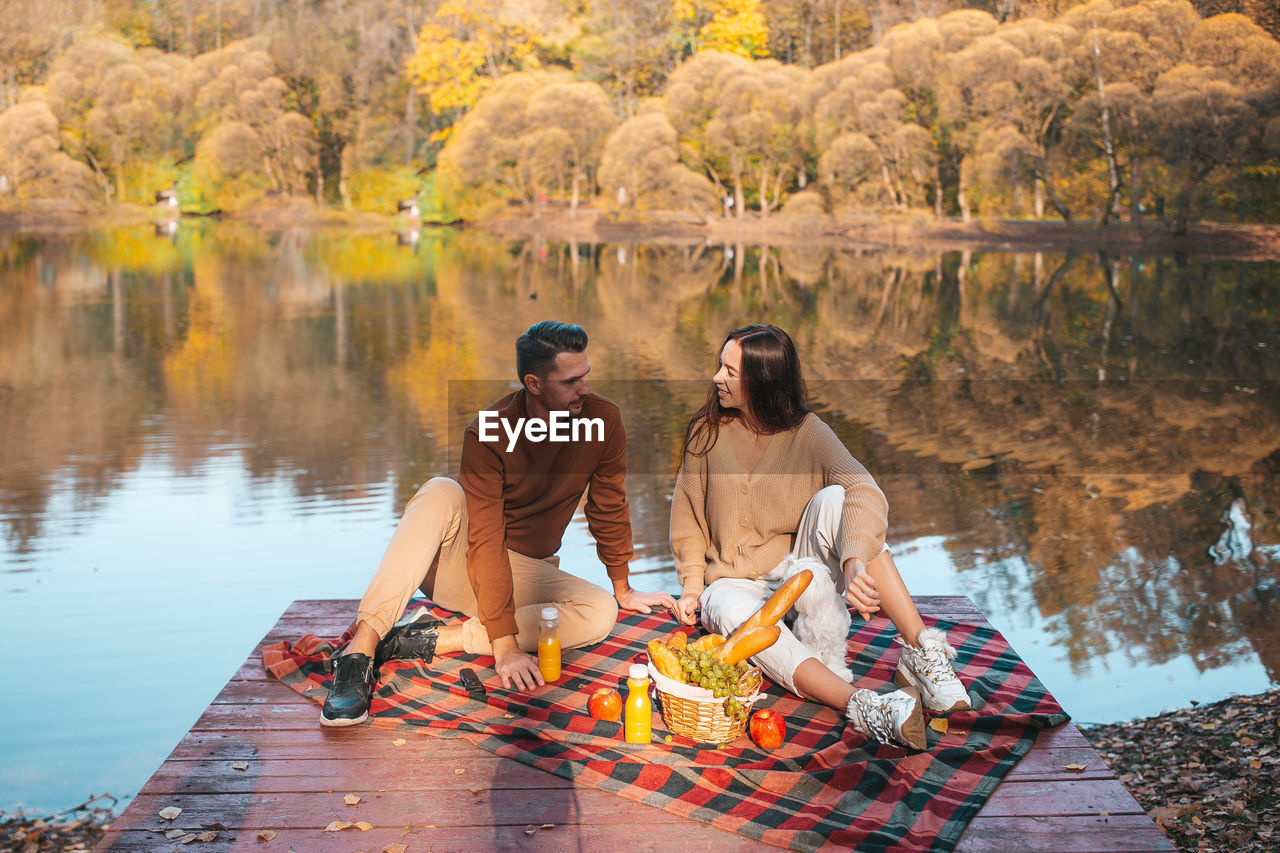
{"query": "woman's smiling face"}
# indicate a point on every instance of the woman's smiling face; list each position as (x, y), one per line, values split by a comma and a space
(728, 378)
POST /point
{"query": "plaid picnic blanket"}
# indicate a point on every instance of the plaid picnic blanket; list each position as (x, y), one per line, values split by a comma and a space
(826, 787)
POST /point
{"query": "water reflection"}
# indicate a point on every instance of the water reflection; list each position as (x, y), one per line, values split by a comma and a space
(1088, 445)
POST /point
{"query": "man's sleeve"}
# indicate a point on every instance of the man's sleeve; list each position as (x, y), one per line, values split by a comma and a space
(608, 513)
(488, 565)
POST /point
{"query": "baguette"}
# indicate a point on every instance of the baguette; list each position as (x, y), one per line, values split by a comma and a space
(664, 660)
(778, 604)
(706, 643)
(743, 645)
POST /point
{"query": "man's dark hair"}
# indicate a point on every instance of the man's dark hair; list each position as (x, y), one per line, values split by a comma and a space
(537, 348)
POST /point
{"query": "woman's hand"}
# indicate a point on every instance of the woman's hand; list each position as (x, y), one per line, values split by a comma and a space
(860, 588)
(686, 609)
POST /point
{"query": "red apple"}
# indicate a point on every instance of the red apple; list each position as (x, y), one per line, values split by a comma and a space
(768, 729)
(605, 704)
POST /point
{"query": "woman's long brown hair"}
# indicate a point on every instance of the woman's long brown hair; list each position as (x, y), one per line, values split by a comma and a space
(773, 389)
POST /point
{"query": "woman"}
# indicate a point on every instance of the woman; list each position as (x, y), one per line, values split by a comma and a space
(766, 488)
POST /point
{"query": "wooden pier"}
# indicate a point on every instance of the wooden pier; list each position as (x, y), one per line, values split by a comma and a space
(259, 771)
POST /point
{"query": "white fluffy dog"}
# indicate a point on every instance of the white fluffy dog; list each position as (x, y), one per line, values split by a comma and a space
(822, 618)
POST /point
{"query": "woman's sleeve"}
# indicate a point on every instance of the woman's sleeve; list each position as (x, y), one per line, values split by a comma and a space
(689, 524)
(865, 518)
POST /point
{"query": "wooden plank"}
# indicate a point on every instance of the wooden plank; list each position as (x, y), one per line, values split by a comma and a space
(636, 837)
(490, 807)
(277, 775)
(1111, 833)
(1060, 797)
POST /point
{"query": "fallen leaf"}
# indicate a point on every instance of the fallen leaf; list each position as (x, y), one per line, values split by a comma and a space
(458, 771)
(394, 848)
(1255, 764)
(1076, 768)
(337, 826)
(1210, 726)
(398, 742)
(351, 799)
(529, 830)
(188, 838)
(477, 789)
(939, 724)
(240, 765)
(175, 833)
(266, 834)
(547, 826)
(215, 825)
(170, 813)
(363, 826)
(207, 836)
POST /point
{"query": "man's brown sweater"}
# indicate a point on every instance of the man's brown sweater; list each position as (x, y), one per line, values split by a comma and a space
(523, 500)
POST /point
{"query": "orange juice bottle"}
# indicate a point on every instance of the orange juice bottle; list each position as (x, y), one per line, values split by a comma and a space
(638, 717)
(549, 645)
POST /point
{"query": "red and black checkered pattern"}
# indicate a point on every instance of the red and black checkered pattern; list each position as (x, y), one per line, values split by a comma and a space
(827, 785)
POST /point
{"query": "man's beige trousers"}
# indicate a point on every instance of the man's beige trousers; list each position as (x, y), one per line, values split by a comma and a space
(428, 551)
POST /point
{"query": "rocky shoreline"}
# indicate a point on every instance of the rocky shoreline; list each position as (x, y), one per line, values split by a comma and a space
(1208, 775)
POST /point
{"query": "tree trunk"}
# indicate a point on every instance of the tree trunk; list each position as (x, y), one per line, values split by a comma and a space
(1108, 144)
(1135, 190)
(764, 190)
(962, 198)
(737, 196)
(573, 203)
(410, 125)
(938, 210)
(1039, 198)
(1043, 168)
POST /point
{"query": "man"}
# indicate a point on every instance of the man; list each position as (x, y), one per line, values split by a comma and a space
(485, 545)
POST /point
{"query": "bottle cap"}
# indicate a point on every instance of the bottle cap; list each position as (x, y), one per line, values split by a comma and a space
(549, 613)
(638, 671)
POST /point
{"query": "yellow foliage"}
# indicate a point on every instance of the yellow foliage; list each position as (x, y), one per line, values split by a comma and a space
(463, 50)
(731, 26)
(378, 188)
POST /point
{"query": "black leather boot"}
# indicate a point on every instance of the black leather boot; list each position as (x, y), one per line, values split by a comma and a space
(348, 700)
(412, 640)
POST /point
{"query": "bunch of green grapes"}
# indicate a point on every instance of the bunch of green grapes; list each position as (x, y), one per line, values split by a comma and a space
(731, 683)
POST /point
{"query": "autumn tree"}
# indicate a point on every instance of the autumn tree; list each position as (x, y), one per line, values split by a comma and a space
(255, 145)
(640, 168)
(32, 163)
(627, 47)
(463, 50)
(530, 134)
(729, 26)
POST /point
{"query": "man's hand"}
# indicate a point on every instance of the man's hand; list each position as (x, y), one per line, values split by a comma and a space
(516, 668)
(686, 609)
(860, 588)
(643, 602)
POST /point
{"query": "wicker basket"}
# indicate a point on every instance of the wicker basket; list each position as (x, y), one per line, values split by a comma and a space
(695, 712)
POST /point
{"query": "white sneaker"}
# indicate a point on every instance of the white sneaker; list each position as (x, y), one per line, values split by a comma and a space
(927, 667)
(889, 717)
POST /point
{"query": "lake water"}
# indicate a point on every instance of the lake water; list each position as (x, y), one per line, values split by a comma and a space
(197, 428)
